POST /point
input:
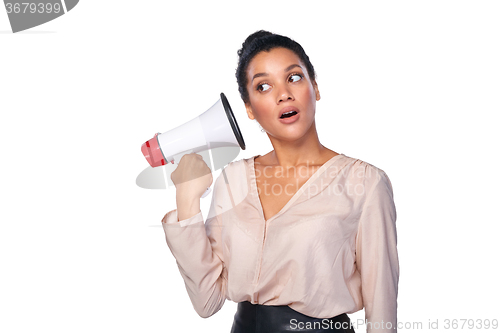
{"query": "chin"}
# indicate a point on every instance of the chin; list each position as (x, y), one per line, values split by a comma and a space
(290, 135)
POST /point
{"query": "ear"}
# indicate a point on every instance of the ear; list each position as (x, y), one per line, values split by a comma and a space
(249, 111)
(316, 91)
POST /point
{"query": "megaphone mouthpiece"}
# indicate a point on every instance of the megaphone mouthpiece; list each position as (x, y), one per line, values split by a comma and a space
(152, 152)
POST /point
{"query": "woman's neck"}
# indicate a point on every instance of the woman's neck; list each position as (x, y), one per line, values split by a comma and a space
(305, 151)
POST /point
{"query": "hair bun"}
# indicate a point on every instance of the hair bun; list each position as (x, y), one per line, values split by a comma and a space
(250, 39)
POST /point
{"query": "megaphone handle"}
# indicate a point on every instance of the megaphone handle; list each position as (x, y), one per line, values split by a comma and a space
(206, 192)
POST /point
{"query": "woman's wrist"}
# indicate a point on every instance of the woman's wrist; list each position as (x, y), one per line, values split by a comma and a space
(188, 205)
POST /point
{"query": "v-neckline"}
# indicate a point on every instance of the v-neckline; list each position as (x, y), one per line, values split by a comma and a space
(254, 188)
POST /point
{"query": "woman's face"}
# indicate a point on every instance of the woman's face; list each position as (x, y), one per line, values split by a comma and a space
(278, 83)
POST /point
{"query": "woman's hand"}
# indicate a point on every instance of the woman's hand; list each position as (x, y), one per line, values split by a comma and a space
(192, 177)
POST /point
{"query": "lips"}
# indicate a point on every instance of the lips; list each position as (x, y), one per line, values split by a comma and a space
(287, 112)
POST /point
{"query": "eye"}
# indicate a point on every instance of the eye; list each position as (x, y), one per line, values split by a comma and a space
(263, 87)
(294, 77)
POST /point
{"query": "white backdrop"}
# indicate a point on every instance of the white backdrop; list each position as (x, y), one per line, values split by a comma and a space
(410, 87)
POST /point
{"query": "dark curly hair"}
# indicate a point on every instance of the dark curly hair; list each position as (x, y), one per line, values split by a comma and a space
(265, 41)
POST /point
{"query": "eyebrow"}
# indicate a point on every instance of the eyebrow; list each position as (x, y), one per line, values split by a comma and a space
(286, 70)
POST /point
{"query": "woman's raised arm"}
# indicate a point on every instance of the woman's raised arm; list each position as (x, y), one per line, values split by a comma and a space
(195, 245)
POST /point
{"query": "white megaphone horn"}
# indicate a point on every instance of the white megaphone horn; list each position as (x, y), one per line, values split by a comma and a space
(214, 128)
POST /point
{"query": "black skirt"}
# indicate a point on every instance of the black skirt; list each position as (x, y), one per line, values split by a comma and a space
(256, 318)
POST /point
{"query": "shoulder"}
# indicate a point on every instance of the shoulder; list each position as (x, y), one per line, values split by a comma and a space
(371, 176)
(236, 172)
(238, 166)
(233, 183)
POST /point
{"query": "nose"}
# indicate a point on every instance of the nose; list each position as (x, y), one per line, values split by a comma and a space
(284, 94)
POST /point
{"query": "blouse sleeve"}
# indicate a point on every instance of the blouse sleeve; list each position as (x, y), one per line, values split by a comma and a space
(376, 254)
(197, 249)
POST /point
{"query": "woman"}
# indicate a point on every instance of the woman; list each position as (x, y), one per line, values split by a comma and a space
(298, 237)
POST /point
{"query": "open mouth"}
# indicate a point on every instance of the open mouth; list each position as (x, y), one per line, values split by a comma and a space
(288, 114)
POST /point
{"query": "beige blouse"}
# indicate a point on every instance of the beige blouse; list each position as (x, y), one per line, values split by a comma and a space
(330, 250)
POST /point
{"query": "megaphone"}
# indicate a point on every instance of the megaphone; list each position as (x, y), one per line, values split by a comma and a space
(214, 128)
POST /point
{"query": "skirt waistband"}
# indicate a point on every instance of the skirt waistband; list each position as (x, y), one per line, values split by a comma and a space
(256, 318)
